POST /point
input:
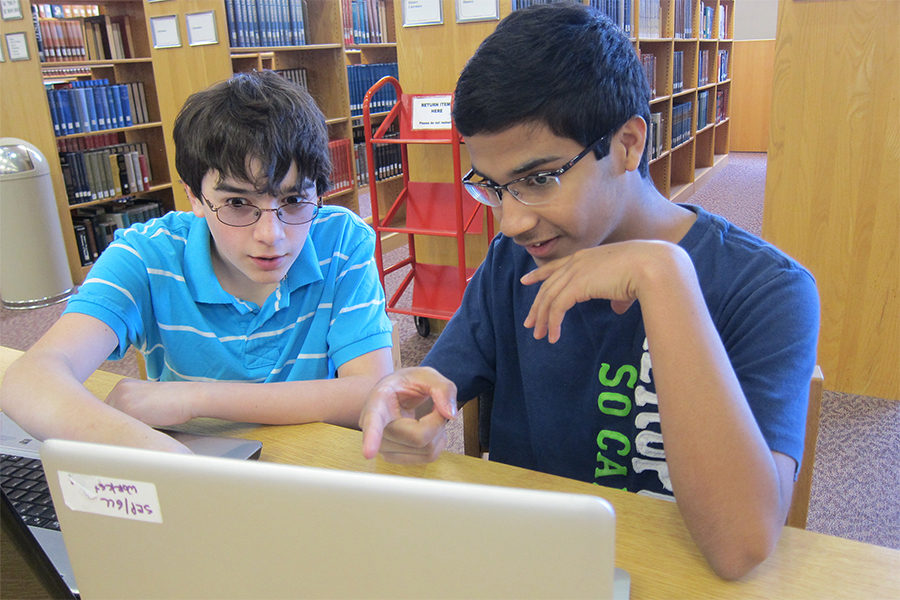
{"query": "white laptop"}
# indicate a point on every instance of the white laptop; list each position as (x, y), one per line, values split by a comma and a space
(27, 507)
(143, 524)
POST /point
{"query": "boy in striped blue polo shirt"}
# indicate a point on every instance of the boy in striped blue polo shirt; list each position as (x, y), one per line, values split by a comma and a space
(259, 283)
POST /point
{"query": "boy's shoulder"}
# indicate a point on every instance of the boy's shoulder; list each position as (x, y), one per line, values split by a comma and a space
(338, 222)
(714, 234)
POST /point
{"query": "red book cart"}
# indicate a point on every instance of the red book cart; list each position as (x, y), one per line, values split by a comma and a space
(432, 209)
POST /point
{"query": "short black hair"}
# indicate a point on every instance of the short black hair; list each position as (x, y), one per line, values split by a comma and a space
(258, 116)
(566, 66)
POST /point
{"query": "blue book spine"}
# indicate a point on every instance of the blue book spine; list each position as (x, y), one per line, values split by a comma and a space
(66, 111)
(113, 107)
(83, 119)
(54, 112)
(124, 105)
(99, 96)
(229, 18)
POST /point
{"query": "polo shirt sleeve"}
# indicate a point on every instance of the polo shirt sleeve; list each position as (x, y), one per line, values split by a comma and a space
(117, 293)
(359, 322)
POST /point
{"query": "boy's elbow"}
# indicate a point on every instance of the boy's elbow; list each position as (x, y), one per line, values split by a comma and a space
(739, 556)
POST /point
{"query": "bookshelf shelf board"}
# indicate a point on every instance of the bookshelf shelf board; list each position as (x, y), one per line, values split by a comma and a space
(661, 156)
(236, 56)
(270, 49)
(722, 122)
(153, 188)
(153, 125)
(361, 47)
(336, 120)
(337, 193)
(96, 64)
(720, 160)
(686, 92)
(707, 128)
(659, 99)
(682, 191)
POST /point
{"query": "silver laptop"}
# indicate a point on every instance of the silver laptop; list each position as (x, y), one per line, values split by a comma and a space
(143, 524)
(29, 511)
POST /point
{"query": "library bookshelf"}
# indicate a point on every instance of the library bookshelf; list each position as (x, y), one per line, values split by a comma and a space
(686, 48)
(28, 114)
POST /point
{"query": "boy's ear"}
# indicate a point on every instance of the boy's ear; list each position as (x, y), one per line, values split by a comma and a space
(633, 135)
(196, 203)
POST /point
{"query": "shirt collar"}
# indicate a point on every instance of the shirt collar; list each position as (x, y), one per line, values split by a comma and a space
(205, 287)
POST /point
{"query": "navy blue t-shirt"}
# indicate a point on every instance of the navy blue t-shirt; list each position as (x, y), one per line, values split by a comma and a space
(586, 407)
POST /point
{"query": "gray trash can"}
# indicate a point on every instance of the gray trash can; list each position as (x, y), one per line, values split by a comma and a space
(34, 270)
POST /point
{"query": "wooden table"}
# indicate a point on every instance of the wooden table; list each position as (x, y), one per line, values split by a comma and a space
(652, 543)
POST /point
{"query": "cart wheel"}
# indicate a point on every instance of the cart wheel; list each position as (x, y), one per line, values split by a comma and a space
(423, 326)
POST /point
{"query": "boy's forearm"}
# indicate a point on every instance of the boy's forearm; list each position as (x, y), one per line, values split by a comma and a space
(722, 471)
(336, 401)
(47, 400)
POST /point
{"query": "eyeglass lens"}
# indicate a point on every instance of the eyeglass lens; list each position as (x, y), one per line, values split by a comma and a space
(241, 215)
(531, 190)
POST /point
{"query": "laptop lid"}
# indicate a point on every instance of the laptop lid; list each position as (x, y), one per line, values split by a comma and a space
(149, 524)
(45, 543)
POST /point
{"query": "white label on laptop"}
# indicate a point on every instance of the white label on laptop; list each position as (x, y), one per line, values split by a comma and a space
(431, 112)
(120, 498)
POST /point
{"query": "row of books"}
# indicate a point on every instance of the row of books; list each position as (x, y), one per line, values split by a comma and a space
(684, 19)
(721, 105)
(298, 76)
(66, 11)
(649, 19)
(619, 12)
(723, 65)
(707, 21)
(94, 38)
(363, 77)
(681, 122)
(703, 68)
(702, 109)
(95, 226)
(677, 71)
(388, 157)
(88, 142)
(341, 169)
(657, 135)
(266, 23)
(95, 105)
(364, 22)
(108, 172)
(648, 61)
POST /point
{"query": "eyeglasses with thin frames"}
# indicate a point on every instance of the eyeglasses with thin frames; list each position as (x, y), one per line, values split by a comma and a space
(531, 190)
(241, 213)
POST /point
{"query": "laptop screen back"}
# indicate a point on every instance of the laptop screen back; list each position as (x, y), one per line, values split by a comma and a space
(151, 524)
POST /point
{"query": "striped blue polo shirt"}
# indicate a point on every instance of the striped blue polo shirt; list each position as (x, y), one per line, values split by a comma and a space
(155, 287)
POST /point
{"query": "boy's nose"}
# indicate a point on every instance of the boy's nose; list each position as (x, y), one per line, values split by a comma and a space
(515, 218)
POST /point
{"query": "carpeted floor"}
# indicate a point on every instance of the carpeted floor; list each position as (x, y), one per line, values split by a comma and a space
(857, 470)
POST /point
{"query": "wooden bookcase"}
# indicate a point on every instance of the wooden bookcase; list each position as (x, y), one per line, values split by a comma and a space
(168, 75)
(683, 165)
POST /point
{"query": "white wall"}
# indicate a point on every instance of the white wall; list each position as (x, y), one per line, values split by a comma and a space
(755, 19)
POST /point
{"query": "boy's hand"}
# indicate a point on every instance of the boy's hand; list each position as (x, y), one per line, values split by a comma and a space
(389, 423)
(154, 403)
(611, 272)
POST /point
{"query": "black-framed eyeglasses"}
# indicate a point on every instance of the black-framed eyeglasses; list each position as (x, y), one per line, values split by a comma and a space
(531, 190)
(237, 212)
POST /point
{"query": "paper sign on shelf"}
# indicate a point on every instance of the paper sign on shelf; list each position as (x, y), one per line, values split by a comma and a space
(431, 112)
(110, 497)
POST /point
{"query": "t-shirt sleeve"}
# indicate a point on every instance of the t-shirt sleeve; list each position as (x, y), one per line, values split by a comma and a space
(116, 292)
(465, 352)
(771, 340)
(359, 322)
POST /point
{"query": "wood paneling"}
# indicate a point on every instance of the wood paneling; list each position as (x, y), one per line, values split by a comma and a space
(751, 102)
(833, 181)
